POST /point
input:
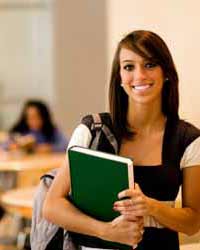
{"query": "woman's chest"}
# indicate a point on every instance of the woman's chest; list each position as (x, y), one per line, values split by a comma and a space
(158, 178)
(146, 151)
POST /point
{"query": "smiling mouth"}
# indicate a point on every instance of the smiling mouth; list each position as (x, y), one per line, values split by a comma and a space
(142, 87)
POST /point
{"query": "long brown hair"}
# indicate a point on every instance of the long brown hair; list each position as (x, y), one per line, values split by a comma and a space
(146, 44)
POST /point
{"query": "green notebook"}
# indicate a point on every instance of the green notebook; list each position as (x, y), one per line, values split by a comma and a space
(96, 180)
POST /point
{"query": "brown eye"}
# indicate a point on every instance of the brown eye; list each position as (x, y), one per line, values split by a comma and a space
(128, 67)
(150, 65)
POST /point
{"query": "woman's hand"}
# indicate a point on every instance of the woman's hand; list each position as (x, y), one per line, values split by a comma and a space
(136, 205)
(124, 230)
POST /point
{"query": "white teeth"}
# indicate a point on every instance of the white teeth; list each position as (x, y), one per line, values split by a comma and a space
(141, 87)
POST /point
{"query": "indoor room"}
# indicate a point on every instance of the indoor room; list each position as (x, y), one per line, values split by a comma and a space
(58, 62)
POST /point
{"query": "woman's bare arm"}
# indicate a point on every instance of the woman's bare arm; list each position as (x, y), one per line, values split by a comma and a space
(185, 219)
(60, 211)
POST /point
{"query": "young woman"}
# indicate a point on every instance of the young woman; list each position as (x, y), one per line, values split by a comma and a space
(35, 121)
(166, 151)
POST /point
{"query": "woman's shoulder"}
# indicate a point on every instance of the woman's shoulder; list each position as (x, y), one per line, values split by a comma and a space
(190, 140)
(184, 142)
(181, 133)
(85, 131)
(186, 133)
(188, 129)
(81, 136)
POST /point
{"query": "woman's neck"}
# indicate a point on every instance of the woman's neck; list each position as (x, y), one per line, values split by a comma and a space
(145, 119)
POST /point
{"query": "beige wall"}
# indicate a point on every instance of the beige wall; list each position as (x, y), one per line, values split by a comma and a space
(85, 37)
(80, 41)
(26, 58)
(178, 24)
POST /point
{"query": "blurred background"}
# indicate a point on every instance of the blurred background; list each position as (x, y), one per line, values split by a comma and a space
(61, 51)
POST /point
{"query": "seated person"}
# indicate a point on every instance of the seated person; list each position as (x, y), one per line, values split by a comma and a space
(35, 130)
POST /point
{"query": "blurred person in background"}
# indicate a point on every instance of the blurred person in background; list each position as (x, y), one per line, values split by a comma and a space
(33, 132)
(36, 131)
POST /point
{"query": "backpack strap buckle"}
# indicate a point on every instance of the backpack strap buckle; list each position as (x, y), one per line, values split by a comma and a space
(97, 124)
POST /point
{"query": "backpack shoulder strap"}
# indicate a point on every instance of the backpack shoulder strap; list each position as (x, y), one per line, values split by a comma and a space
(107, 129)
(106, 119)
(94, 124)
(97, 128)
(92, 121)
(100, 123)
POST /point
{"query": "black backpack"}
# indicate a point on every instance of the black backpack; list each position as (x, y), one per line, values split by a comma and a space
(46, 235)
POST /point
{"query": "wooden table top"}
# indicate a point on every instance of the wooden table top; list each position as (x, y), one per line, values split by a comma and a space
(19, 201)
(20, 162)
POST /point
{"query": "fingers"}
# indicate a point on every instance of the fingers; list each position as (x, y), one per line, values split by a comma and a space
(135, 206)
(127, 231)
(138, 220)
(130, 202)
(130, 208)
(125, 220)
(129, 193)
(134, 214)
(140, 210)
(137, 187)
(137, 234)
(130, 205)
(117, 220)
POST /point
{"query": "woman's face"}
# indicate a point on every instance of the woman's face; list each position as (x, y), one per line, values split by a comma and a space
(33, 118)
(142, 79)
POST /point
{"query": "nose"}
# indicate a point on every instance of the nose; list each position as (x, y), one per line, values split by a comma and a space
(139, 73)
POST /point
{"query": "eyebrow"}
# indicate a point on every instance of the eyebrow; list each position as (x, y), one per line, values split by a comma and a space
(132, 61)
(124, 61)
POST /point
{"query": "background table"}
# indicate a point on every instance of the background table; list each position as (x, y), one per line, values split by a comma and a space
(9, 162)
(19, 201)
(30, 168)
(27, 169)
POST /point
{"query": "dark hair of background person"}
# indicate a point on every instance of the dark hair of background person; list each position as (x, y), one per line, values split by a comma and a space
(151, 47)
(48, 127)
